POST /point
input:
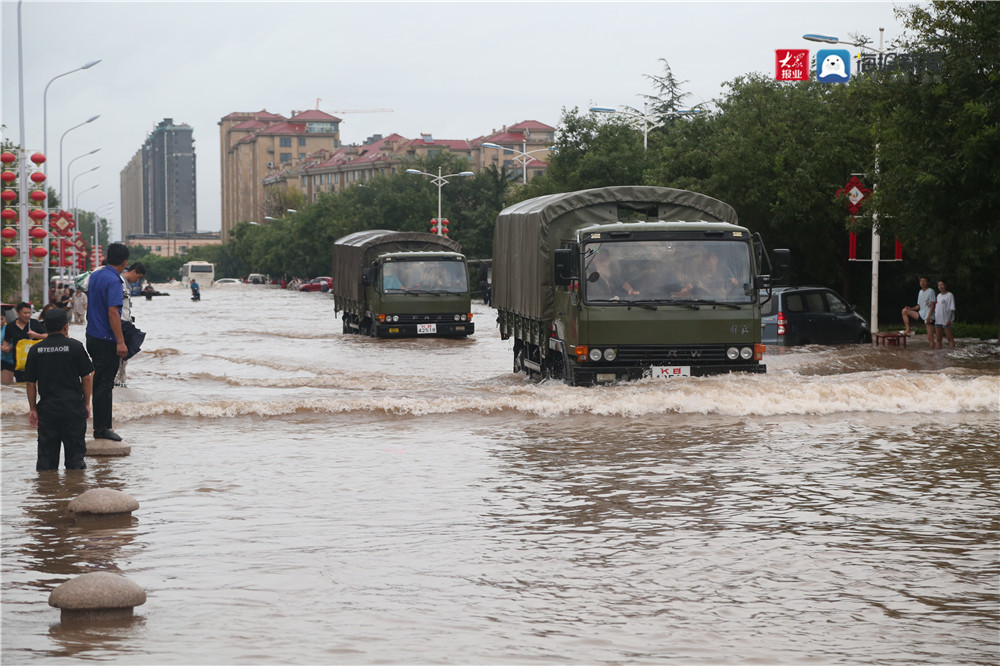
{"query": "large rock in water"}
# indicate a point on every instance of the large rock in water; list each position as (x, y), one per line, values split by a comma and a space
(107, 447)
(104, 502)
(100, 594)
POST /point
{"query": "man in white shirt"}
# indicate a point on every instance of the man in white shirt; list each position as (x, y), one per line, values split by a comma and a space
(922, 310)
(131, 275)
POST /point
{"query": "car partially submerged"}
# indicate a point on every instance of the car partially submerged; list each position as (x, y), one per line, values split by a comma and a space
(318, 284)
(810, 315)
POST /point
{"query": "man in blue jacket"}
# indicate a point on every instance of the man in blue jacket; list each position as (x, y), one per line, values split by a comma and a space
(105, 340)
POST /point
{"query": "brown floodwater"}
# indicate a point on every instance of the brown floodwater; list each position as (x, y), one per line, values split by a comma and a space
(311, 497)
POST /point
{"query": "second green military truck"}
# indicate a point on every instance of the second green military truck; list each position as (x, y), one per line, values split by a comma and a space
(394, 284)
(623, 282)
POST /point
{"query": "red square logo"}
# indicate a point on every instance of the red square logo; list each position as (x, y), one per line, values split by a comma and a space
(791, 64)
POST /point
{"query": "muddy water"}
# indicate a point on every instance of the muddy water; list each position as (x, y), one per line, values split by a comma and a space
(310, 497)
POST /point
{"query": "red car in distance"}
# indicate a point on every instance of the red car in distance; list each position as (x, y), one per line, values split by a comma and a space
(318, 284)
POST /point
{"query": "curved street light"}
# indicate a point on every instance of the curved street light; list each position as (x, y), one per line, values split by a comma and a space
(523, 156)
(440, 181)
(72, 183)
(45, 167)
(645, 120)
(89, 120)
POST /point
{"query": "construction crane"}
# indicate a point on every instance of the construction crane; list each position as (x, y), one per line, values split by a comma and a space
(335, 111)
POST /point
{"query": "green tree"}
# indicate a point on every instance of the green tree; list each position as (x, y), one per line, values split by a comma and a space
(590, 151)
(939, 132)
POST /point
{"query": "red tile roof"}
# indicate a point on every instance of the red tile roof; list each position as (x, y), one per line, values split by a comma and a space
(314, 115)
(531, 125)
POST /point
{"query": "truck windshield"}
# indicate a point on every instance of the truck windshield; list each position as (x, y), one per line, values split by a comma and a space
(668, 270)
(424, 276)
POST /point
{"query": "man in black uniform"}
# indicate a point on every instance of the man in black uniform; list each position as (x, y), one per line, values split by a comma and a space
(64, 375)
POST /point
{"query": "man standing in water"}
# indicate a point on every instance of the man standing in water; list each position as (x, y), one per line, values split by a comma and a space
(944, 315)
(105, 340)
(60, 376)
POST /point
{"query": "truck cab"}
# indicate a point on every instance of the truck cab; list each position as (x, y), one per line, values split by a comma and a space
(412, 294)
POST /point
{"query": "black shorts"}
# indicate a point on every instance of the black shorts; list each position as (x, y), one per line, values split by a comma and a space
(7, 366)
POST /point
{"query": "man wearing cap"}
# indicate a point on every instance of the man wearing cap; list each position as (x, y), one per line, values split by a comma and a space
(105, 339)
(60, 381)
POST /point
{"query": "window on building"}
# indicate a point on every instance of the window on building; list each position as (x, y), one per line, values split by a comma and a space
(286, 157)
(159, 248)
(302, 156)
(302, 141)
(286, 141)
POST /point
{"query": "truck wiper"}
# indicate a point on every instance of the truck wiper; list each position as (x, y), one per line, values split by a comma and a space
(684, 304)
(725, 305)
(649, 305)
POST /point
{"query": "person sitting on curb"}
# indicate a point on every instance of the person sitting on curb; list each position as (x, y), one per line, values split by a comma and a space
(921, 311)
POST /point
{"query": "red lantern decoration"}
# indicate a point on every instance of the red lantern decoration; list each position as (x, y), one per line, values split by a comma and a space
(38, 159)
(9, 233)
(37, 195)
(8, 158)
(39, 252)
(37, 177)
(9, 214)
(37, 214)
(54, 263)
(8, 176)
(37, 233)
(8, 252)
(8, 195)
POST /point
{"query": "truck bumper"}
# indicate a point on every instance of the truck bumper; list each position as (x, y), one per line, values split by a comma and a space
(604, 374)
(441, 330)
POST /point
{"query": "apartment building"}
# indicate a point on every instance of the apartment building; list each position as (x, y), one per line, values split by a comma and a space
(257, 143)
(522, 152)
(159, 184)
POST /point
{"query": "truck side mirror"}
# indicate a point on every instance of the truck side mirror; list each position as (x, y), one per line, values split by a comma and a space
(563, 264)
(368, 276)
(782, 275)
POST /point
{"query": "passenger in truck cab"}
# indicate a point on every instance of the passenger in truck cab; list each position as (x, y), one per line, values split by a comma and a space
(716, 281)
(604, 282)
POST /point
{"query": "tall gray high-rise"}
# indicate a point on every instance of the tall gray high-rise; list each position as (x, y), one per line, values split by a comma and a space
(159, 192)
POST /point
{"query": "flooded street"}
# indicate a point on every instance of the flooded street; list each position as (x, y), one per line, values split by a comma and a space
(313, 497)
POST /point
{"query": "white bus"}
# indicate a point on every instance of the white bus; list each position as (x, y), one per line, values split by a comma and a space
(202, 271)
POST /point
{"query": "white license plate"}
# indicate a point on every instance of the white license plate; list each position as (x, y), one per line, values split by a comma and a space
(668, 371)
(426, 328)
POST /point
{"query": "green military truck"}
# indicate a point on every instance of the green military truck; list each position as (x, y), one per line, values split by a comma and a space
(621, 282)
(397, 284)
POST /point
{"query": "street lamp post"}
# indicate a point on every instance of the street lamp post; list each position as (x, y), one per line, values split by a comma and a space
(72, 184)
(89, 120)
(648, 121)
(67, 201)
(523, 156)
(876, 237)
(440, 181)
(45, 168)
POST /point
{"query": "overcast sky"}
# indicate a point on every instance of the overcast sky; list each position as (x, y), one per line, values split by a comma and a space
(454, 69)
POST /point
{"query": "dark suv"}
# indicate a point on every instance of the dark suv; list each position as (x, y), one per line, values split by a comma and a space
(810, 315)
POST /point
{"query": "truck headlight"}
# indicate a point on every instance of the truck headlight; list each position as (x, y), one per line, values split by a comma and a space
(457, 317)
(395, 317)
(610, 354)
(732, 353)
(595, 354)
(746, 353)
